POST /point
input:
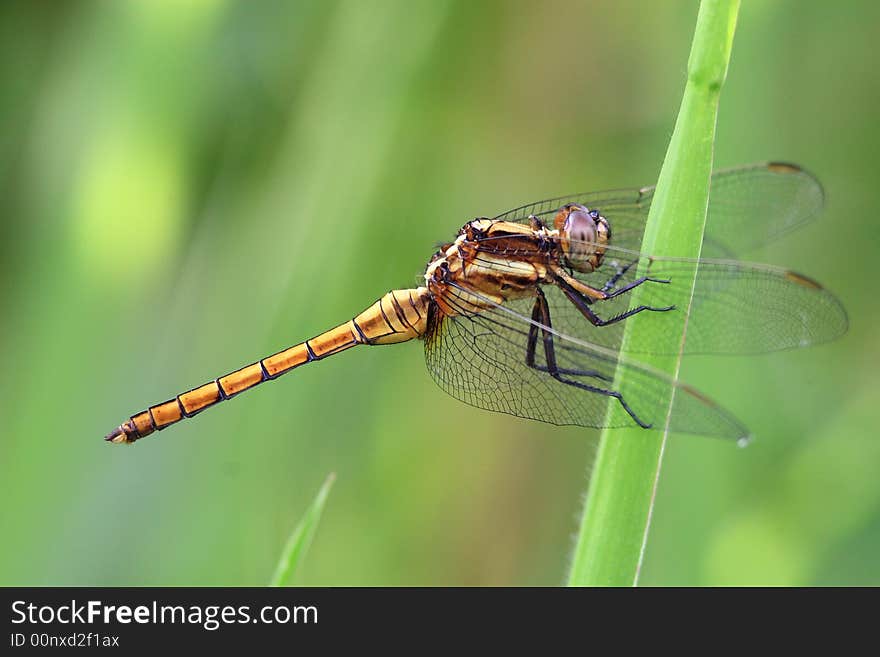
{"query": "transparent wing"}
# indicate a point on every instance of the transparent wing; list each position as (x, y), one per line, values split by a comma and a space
(737, 308)
(748, 206)
(480, 359)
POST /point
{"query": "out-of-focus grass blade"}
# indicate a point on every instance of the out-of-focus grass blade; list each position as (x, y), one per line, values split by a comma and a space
(301, 537)
(620, 499)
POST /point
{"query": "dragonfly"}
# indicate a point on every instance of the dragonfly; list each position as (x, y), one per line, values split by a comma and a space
(524, 313)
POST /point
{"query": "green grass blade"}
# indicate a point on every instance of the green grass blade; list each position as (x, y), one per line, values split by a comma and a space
(620, 498)
(299, 541)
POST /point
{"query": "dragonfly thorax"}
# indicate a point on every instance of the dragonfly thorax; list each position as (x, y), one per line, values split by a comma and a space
(583, 235)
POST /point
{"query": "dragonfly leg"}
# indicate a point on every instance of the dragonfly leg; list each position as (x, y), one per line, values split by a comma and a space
(621, 271)
(541, 313)
(583, 305)
(562, 277)
(626, 288)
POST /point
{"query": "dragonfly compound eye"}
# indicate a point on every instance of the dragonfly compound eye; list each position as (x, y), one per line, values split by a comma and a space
(583, 234)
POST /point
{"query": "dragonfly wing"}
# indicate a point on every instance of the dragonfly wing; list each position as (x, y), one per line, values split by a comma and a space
(755, 205)
(747, 309)
(480, 359)
(749, 206)
(736, 307)
(625, 209)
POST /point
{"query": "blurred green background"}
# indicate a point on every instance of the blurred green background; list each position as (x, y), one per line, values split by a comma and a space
(189, 186)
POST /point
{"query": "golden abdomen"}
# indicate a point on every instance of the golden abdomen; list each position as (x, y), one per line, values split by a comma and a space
(398, 316)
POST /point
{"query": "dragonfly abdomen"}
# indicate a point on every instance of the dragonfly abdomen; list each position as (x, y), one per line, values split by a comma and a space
(398, 316)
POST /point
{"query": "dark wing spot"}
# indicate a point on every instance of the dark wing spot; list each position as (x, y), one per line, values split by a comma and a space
(800, 279)
(783, 167)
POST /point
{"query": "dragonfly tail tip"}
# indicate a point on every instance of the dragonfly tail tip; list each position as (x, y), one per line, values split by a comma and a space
(117, 436)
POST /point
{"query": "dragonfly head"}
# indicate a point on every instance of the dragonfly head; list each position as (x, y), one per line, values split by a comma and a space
(583, 235)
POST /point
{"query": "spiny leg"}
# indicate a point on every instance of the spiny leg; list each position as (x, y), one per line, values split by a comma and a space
(595, 294)
(620, 273)
(583, 303)
(541, 315)
(630, 286)
(533, 335)
(542, 311)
